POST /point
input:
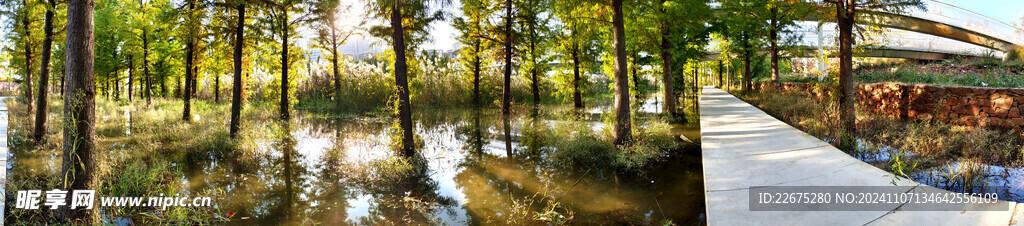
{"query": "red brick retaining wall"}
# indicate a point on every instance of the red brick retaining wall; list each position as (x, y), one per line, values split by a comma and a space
(968, 106)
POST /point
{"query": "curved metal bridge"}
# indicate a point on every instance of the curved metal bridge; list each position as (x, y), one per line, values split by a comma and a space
(937, 32)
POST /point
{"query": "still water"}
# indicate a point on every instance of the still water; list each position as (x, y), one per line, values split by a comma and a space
(478, 167)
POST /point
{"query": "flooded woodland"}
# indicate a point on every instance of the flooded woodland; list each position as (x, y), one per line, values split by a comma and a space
(475, 166)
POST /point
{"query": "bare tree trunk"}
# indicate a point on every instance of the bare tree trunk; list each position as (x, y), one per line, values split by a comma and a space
(117, 85)
(845, 15)
(773, 40)
(666, 68)
(131, 73)
(476, 72)
(720, 80)
(577, 96)
(401, 81)
(145, 66)
(185, 94)
(506, 91)
(28, 56)
(195, 78)
(285, 115)
(535, 82)
(236, 89)
(78, 161)
(334, 65)
(44, 74)
(636, 80)
(622, 127)
(62, 77)
(186, 113)
(746, 72)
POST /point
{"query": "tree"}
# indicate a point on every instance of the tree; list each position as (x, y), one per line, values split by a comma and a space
(622, 129)
(281, 24)
(472, 26)
(781, 15)
(846, 16)
(111, 45)
(396, 12)
(508, 40)
(331, 35)
(144, 23)
(578, 44)
(236, 88)
(192, 26)
(664, 24)
(44, 72)
(534, 22)
(744, 22)
(27, 32)
(79, 161)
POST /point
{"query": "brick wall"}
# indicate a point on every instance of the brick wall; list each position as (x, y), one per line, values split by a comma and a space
(968, 106)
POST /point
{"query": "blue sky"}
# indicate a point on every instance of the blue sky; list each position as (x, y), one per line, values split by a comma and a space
(443, 35)
(1007, 11)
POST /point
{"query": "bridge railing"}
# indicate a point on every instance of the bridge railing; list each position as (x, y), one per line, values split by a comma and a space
(960, 17)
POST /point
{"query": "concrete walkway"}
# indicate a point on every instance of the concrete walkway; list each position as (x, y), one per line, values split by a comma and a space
(3, 155)
(744, 147)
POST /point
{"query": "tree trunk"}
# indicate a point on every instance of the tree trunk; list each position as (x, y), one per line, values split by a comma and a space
(284, 68)
(666, 68)
(636, 80)
(117, 85)
(186, 113)
(720, 69)
(106, 87)
(476, 72)
(78, 161)
(145, 66)
(506, 91)
(696, 81)
(28, 56)
(846, 20)
(401, 81)
(185, 94)
(131, 73)
(44, 75)
(236, 89)
(216, 88)
(195, 78)
(773, 39)
(62, 77)
(746, 72)
(334, 65)
(535, 83)
(577, 96)
(622, 133)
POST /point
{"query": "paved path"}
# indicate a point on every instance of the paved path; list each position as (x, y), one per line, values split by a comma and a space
(744, 147)
(3, 156)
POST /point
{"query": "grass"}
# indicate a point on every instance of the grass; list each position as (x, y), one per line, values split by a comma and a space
(979, 73)
(935, 142)
(579, 147)
(135, 161)
(368, 86)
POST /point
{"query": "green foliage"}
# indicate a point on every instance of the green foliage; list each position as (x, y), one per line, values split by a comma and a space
(930, 139)
(978, 73)
(578, 147)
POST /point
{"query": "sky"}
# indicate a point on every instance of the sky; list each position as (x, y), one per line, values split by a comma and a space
(1007, 11)
(443, 34)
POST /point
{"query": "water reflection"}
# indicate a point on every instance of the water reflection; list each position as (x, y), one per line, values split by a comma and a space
(475, 166)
